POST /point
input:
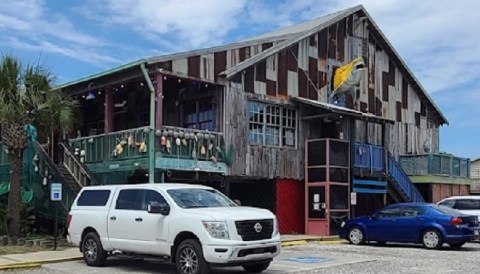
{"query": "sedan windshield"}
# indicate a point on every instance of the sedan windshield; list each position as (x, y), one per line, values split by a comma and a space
(193, 198)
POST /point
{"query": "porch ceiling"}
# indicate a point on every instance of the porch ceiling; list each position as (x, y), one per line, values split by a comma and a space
(342, 110)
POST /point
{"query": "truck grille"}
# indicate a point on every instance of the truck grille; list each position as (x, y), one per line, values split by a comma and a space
(250, 230)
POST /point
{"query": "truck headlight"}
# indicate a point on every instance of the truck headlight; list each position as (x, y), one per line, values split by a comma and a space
(217, 230)
(275, 227)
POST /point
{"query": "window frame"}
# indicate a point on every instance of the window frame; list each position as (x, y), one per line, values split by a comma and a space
(267, 117)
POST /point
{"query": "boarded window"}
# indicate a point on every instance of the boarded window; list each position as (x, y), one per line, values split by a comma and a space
(194, 66)
(399, 111)
(261, 71)
(404, 94)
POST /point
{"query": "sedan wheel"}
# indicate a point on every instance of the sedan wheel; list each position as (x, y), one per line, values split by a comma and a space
(432, 239)
(356, 236)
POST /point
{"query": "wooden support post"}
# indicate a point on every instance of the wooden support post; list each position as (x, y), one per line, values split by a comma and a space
(108, 121)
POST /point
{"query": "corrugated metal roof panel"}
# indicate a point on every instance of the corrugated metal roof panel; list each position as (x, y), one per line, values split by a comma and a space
(299, 28)
(340, 109)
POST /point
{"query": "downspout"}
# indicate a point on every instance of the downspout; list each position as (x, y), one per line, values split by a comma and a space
(151, 132)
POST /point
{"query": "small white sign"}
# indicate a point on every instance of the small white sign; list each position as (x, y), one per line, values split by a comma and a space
(353, 198)
(56, 192)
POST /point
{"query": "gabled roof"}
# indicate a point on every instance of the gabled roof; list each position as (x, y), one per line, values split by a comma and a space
(303, 31)
(288, 32)
(307, 29)
(284, 38)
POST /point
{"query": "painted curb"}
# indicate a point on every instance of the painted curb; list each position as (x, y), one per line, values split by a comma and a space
(19, 266)
(322, 241)
(34, 264)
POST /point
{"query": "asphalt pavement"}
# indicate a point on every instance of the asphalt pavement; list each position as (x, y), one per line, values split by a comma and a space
(313, 257)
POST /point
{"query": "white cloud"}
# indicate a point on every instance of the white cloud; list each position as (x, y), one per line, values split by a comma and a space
(192, 23)
(438, 39)
(30, 25)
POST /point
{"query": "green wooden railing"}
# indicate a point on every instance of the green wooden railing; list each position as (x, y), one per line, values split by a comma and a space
(170, 142)
(118, 145)
(191, 144)
(435, 164)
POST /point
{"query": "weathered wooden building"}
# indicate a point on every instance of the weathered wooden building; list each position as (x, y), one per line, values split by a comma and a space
(263, 121)
(475, 176)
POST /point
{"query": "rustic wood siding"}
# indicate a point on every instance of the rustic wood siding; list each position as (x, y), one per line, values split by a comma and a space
(167, 65)
(256, 161)
(305, 69)
(194, 66)
(282, 72)
(220, 63)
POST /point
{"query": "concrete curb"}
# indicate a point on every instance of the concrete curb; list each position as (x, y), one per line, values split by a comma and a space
(320, 240)
(34, 264)
(19, 266)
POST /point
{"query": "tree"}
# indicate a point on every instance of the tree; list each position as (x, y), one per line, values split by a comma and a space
(26, 98)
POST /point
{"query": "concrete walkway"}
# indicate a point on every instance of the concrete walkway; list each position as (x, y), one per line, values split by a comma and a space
(36, 259)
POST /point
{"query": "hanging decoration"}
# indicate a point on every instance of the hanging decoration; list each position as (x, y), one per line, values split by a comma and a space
(348, 76)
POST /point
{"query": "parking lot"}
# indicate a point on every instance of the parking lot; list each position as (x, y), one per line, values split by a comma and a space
(314, 258)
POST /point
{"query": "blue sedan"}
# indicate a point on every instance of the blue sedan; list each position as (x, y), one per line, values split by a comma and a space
(428, 224)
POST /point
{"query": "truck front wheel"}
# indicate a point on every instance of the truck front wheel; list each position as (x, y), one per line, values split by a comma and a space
(93, 252)
(189, 258)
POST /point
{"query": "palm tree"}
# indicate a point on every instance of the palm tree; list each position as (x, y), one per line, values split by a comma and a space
(26, 98)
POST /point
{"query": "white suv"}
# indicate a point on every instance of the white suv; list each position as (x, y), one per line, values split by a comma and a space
(465, 204)
(193, 226)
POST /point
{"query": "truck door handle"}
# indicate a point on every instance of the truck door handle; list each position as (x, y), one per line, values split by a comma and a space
(113, 218)
(138, 219)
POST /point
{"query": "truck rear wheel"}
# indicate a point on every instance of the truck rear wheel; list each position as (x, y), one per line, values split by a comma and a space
(189, 258)
(256, 268)
(93, 252)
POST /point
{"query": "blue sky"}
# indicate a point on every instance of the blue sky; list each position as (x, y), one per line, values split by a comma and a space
(438, 39)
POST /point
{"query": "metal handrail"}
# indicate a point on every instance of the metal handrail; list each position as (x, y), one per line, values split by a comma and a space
(402, 179)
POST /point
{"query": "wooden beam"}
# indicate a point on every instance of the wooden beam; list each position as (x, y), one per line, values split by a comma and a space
(319, 116)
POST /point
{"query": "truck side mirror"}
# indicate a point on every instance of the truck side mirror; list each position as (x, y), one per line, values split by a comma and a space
(158, 208)
(237, 201)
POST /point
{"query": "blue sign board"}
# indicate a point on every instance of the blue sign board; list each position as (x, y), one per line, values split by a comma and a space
(56, 192)
(308, 260)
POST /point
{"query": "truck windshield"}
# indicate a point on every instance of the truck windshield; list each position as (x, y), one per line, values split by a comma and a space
(193, 198)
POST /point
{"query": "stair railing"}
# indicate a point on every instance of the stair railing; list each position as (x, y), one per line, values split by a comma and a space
(52, 168)
(75, 167)
(403, 181)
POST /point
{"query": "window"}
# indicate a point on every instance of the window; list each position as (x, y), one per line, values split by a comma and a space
(271, 125)
(448, 203)
(152, 196)
(129, 199)
(412, 211)
(467, 204)
(389, 212)
(199, 115)
(93, 198)
(192, 198)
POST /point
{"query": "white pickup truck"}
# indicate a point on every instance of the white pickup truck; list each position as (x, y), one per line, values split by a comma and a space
(193, 226)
